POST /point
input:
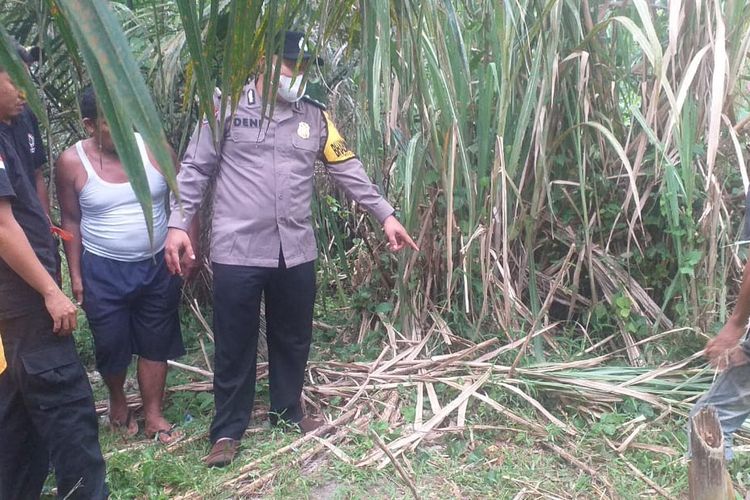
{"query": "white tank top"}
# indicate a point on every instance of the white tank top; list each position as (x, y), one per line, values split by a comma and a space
(112, 221)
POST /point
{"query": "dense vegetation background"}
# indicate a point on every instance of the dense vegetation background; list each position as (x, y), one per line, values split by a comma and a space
(570, 163)
(575, 168)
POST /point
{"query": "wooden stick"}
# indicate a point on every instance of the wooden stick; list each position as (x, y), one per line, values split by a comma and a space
(577, 463)
(319, 447)
(201, 319)
(571, 459)
(205, 354)
(624, 445)
(395, 463)
(640, 473)
(350, 403)
(340, 454)
(414, 438)
(418, 414)
(192, 369)
(533, 427)
(250, 467)
(536, 404)
(325, 326)
(646, 479)
(268, 476)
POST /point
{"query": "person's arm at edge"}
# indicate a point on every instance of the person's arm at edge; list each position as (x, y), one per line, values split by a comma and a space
(728, 338)
(199, 162)
(39, 162)
(190, 263)
(17, 252)
(725, 349)
(70, 213)
(349, 173)
(41, 190)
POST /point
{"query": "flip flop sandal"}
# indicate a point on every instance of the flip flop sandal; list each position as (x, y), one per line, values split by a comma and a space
(127, 429)
(172, 435)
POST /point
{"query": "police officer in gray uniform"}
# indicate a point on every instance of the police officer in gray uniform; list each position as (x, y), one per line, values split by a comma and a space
(263, 240)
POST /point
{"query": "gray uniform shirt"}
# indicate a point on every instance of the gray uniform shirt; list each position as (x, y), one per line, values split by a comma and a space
(264, 183)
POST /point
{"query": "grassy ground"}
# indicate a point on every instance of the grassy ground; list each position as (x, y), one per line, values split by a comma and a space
(494, 459)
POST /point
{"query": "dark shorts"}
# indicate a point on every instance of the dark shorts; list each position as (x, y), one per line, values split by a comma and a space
(132, 308)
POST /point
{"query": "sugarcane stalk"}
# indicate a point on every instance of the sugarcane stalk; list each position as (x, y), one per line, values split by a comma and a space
(708, 478)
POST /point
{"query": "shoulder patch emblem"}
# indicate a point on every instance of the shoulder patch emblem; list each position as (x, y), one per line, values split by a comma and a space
(336, 150)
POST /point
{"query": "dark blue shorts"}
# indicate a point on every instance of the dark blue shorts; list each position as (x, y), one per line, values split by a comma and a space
(132, 308)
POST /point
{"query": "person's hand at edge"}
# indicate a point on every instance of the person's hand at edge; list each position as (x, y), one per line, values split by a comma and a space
(62, 311)
(724, 346)
(398, 237)
(178, 244)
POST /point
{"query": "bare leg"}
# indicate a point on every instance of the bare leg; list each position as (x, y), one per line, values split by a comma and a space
(119, 415)
(118, 407)
(151, 379)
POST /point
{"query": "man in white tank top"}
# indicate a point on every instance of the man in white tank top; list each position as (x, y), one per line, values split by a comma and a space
(117, 273)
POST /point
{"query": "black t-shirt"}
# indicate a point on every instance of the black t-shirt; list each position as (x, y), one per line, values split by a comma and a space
(28, 140)
(17, 185)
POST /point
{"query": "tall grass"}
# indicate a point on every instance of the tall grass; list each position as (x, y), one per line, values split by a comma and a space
(560, 158)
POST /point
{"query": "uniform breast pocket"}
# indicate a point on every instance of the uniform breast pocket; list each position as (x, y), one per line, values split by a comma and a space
(306, 144)
(304, 152)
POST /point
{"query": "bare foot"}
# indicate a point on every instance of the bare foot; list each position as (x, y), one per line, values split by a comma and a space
(118, 410)
(159, 429)
(127, 426)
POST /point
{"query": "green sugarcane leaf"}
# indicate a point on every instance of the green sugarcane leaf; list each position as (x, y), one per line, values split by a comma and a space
(204, 82)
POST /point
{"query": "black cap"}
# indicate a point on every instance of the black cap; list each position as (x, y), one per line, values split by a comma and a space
(296, 46)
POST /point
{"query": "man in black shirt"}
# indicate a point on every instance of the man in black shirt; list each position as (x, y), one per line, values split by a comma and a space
(29, 141)
(30, 148)
(46, 403)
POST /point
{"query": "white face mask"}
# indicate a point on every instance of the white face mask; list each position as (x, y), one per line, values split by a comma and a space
(289, 88)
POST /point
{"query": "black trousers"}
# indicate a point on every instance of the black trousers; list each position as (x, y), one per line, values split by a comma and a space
(289, 297)
(46, 412)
